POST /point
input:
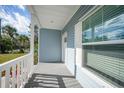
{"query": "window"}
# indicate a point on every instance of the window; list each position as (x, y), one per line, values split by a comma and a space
(104, 25)
(87, 33)
(105, 60)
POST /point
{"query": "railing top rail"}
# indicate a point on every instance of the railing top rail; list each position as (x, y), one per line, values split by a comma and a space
(12, 61)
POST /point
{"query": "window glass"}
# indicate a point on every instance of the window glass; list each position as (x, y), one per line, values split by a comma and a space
(87, 35)
(96, 23)
(113, 18)
(87, 31)
(104, 25)
(114, 28)
(98, 33)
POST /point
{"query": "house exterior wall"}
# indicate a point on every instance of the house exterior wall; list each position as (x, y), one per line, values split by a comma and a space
(70, 28)
(75, 58)
(86, 78)
(50, 45)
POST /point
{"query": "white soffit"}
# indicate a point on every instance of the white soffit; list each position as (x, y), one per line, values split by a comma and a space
(54, 16)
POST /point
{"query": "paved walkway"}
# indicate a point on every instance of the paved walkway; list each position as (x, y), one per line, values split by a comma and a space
(52, 75)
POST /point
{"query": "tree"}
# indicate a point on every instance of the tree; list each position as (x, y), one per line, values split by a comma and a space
(11, 40)
(6, 44)
(0, 34)
(24, 42)
(11, 32)
(0, 28)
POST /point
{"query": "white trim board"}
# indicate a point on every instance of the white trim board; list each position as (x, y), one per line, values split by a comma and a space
(105, 42)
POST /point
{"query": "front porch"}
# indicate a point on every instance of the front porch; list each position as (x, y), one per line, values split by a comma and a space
(52, 75)
(75, 49)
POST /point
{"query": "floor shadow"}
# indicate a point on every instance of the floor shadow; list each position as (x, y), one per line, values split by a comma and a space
(46, 81)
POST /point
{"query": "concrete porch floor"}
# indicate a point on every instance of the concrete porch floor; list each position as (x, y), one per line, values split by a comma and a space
(52, 75)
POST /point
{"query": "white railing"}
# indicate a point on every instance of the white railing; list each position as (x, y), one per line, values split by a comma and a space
(14, 73)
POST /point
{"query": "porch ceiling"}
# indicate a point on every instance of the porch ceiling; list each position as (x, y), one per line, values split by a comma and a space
(54, 16)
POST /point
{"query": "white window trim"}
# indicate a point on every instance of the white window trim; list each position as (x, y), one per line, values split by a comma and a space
(105, 42)
(98, 79)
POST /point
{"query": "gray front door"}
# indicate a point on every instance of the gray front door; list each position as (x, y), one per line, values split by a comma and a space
(50, 45)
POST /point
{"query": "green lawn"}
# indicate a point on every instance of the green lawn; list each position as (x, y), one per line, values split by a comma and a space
(6, 57)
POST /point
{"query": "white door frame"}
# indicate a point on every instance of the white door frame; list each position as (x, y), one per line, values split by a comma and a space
(64, 46)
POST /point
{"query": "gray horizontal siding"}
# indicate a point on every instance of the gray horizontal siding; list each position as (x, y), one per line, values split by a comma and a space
(80, 12)
(69, 28)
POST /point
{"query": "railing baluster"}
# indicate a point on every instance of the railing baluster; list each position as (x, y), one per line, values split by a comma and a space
(18, 75)
(24, 71)
(16, 72)
(0, 78)
(3, 73)
(21, 79)
(7, 77)
(14, 76)
(11, 77)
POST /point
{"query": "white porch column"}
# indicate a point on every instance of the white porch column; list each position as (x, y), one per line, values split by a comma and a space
(32, 34)
(32, 41)
(14, 76)
(78, 44)
(7, 78)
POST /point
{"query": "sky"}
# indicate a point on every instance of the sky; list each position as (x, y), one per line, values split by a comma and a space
(17, 16)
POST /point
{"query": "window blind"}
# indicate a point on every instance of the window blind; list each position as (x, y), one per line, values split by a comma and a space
(108, 59)
(107, 24)
(112, 11)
